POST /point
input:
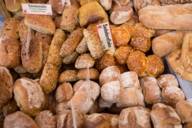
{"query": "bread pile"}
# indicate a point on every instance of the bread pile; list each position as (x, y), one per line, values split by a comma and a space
(56, 73)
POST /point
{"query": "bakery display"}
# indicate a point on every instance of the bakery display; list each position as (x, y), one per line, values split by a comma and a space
(96, 64)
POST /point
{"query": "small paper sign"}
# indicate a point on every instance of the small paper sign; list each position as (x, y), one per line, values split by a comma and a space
(105, 36)
(38, 9)
(66, 2)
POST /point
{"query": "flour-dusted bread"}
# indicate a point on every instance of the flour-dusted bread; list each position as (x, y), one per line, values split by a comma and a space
(84, 61)
(40, 23)
(135, 117)
(29, 96)
(167, 80)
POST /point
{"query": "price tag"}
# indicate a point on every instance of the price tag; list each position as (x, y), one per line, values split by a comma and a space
(39, 9)
(106, 36)
(66, 2)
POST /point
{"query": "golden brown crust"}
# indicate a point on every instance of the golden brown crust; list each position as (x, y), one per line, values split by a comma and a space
(155, 66)
(68, 76)
(84, 61)
(93, 74)
(71, 42)
(69, 18)
(40, 23)
(137, 61)
(122, 53)
(57, 6)
(13, 5)
(19, 119)
(70, 58)
(141, 43)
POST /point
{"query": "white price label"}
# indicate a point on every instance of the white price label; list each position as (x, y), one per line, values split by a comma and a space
(66, 2)
(105, 36)
(38, 9)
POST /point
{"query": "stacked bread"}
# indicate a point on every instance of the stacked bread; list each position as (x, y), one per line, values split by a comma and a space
(56, 72)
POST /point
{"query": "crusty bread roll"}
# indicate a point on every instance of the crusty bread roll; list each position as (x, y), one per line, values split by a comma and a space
(93, 43)
(151, 90)
(49, 76)
(167, 80)
(64, 92)
(111, 73)
(91, 12)
(172, 95)
(91, 73)
(139, 4)
(6, 86)
(19, 120)
(141, 43)
(167, 17)
(129, 79)
(166, 43)
(122, 53)
(184, 109)
(13, 5)
(164, 116)
(40, 23)
(68, 76)
(107, 4)
(121, 35)
(46, 119)
(70, 58)
(110, 91)
(85, 96)
(77, 85)
(82, 46)
(29, 96)
(69, 18)
(134, 117)
(130, 97)
(57, 6)
(71, 43)
(84, 61)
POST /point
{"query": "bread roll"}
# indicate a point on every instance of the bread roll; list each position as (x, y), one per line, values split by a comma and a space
(130, 97)
(104, 104)
(167, 17)
(68, 76)
(13, 5)
(166, 43)
(66, 119)
(167, 80)
(164, 116)
(6, 86)
(29, 96)
(141, 43)
(82, 46)
(111, 73)
(70, 58)
(50, 72)
(110, 91)
(85, 96)
(57, 6)
(71, 43)
(121, 35)
(69, 18)
(91, 73)
(19, 119)
(122, 53)
(184, 109)
(106, 4)
(64, 92)
(151, 90)
(129, 79)
(139, 4)
(172, 95)
(40, 23)
(84, 61)
(135, 117)
(93, 43)
(46, 119)
(137, 61)
(155, 66)
(91, 12)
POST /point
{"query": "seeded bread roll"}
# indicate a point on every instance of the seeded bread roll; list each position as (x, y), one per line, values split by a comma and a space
(40, 23)
(151, 90)
(135, 117)
(46, 119)
(68, 76)
(19, 120)
(6, 86)
(29, 96)
(164, 116)
(184, 109)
